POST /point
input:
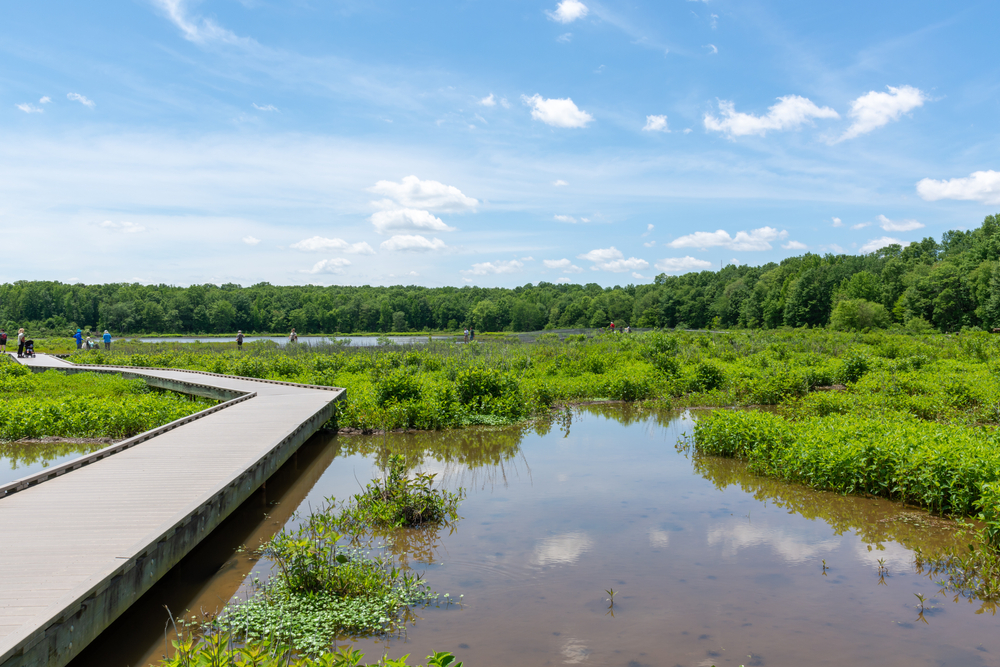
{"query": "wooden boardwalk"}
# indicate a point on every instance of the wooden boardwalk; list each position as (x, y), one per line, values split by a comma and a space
(77, 549)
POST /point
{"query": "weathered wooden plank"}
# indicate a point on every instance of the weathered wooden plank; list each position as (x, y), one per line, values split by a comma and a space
(120, 522)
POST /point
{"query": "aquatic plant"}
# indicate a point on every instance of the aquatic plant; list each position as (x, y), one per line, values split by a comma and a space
(220, 648)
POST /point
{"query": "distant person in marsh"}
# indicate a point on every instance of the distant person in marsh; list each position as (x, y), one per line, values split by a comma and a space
(466, 339)
(107, 340)
(612, 327)
(78, 336)
(239, 340)
(20, 342)
(293, 337)
(3, 341)
(472, 334)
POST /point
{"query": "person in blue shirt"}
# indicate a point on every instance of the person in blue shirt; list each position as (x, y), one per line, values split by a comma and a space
(79, 339)
(107, 340)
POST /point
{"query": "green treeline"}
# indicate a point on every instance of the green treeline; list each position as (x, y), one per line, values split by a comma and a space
(949, 285)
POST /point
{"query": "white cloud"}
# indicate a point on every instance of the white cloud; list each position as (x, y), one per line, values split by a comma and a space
(682, 264)
(195, 30)
(559, 183)
(789, 113)
(981, 186)
(528, 259)
(873, 110)
(898, 225)
(836, 249)
(563, 281)
(335, 265)
(27, 107)
(407, 218)
(656, 124)
(415, 243)
(488, 101)
(251, 240)
(568, 11)
(649, 244)
(45, 99)
(688, 130)
(124, 227)
(320, 244)
(875, 244)
(755, 239)
(557, 112)
(565, 218)
(504, 103)
(429, 195)
(494, 268)
(638, 276)
(712, 49)
(563, 265)
(563, 549)
(565, 38)
(837, 222)
(76, 97)
(612, 259)
(266, 107)
(735, 262)
(794, 245)
(861, 225)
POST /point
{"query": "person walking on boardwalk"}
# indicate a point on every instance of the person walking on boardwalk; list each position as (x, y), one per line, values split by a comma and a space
(107, 340)
(20, 342)
(78, 336)
(239, 340)
(3, 341)
(293, 337)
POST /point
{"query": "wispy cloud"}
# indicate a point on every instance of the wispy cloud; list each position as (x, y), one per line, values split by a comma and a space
(76, 97)
(322, 244)
(794, 245)
(712, 49)
(565, 38)
(565, 218)
(414, 243)
(266, 107)
(755, 239)
(489, 101)
(873, 110)
(837, 222)
(564, 265)
(682, 264)
(197, 29)
(898, 225)
(568, 11)
(557, 112)
(45, 99)
(251, 240)
(791, 112)
(559, 183)
(27, 107)
(124, 227)
(861, 225)
(494, 268)
(981, 186)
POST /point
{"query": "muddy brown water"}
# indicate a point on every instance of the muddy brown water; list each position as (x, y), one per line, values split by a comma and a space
(710, 564)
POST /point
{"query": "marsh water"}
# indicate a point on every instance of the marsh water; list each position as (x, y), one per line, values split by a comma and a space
(351, 341)
(710, 565)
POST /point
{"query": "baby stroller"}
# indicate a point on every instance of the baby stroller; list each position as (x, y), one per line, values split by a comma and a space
(29, 348)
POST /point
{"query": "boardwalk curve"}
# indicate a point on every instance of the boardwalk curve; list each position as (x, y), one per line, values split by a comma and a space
(80, 542)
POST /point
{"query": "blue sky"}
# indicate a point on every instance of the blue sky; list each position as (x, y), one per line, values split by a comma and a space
(487, 143)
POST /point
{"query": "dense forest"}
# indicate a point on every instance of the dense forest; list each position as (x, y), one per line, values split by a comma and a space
(950, 285)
